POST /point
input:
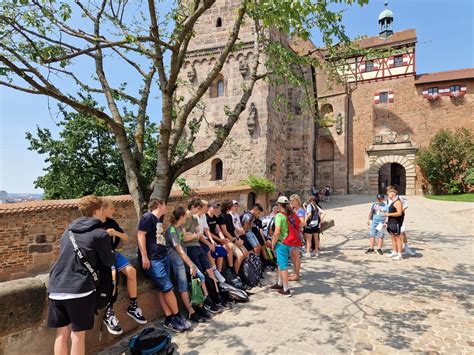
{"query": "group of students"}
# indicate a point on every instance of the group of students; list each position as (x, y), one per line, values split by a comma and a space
(388, 216)
(201, 241)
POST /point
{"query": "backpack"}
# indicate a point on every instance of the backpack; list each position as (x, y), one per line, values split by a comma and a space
(232, 280)
(151, 341)
(312, 222)
(233, 293)
(256, 262)
(196, 293)
(293, 239)
(249, 274)
(252, 217)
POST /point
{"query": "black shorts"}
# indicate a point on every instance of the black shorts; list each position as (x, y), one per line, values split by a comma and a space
(78, 312)
(199, 257)
(311, 230)
(393, 227)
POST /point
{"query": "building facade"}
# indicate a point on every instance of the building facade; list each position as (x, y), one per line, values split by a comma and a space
(374, 123)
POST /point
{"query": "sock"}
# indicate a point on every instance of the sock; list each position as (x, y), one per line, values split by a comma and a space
(168, 318)
(177, 315)
(285, 288)
(219, 276)
(133, 302)
(279, 282)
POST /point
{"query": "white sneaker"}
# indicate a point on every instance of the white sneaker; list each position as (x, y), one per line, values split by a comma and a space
(392, 254)
(408, 251)
(307, 255)
(397, 257)
(316, 255)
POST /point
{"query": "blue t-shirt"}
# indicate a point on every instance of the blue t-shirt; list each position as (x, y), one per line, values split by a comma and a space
(378, 212)
(155, 247)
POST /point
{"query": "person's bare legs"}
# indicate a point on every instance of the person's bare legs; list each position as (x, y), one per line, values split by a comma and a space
(284, 279)
(307, 237)
(230, 255)
(295, 259)
(316, 243)
(187, 302)
(380, 242)
(399, 244)
(61, 341)
(131, 274)
(219, 262)
(78, 343)
(372, 242)
(168, 302)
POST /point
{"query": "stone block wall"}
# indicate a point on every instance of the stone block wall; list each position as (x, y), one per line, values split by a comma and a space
(30, 232)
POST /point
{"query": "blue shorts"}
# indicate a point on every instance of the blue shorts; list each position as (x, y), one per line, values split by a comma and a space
(159, 272)
(199, 257)
(282, 254)
(121, 261)
(179, 272)
(251, 239)
(374, 232)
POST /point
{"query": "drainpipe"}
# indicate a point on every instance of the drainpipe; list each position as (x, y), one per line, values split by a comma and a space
(316, 116)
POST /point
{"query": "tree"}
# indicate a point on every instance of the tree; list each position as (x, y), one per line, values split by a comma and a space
(446, 161)
(85, 159)
(57, 48)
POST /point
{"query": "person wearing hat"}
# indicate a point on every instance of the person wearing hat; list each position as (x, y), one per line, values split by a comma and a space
(376, 221)
(282, 251)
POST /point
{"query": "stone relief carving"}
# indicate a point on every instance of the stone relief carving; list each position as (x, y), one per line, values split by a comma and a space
(392, 136)
(378, 139)
(405, 137)
(252, 120)
(192, 75)
(243, 67)
(339, 123)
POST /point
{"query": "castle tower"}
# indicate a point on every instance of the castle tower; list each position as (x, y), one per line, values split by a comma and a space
(385, 22)
(263, 141)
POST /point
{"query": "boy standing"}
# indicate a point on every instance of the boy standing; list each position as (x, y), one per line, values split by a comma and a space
(375, 221)
(71, 288)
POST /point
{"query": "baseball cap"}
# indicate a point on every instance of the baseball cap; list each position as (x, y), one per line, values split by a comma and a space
(380, 196)
(283, 199)
(235, 202)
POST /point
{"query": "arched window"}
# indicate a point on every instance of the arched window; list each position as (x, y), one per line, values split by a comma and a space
(217, 89)
(217, 169)
(220, 88)
(327, 111)
(326, 150)
(219, 22)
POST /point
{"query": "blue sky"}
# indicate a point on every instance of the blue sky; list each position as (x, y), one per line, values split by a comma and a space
(445, 33)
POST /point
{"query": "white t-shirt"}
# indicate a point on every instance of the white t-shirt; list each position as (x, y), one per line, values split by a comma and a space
(60, 296)
(236, 221)
(203, 223)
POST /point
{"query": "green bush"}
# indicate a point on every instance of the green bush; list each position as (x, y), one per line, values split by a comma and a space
(446, 160)
(260, 184)
(469, 177)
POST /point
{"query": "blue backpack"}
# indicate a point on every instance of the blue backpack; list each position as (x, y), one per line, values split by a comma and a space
(151, 341)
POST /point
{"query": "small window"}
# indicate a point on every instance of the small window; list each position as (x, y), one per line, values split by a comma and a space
(219, 22)
(383, 97)
(455, 88)
(220, 88)
(217, 169)
(432, 91)
(398, 61)
(369, 65)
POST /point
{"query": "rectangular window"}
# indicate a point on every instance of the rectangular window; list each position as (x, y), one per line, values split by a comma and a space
(398, 61)
(369, 65)
(383, 97)
(455, 88)
(432, 91)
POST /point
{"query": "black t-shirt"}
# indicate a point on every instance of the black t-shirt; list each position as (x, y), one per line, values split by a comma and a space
(257, 225)
(155, 247)
(226, 219)
(112, 223)
(212, 223)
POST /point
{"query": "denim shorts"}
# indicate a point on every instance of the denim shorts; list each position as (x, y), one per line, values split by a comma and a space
(121, 261)
(374, 232)
(251, 239)
(159, 272)
(179, 272)
(282, 254)
(199, 257)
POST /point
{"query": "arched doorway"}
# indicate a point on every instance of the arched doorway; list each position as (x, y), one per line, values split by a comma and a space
(392, 174)
(250, 200)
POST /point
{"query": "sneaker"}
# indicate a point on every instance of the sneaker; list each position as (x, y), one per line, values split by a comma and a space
(196, 318)
(316, 255)
(392, 254)
(380, 251)
(202, 312)
(183, 321)
(112, 323)
(174, 325)
(313, 254)
(136, 313)
(370, 251)
(276, 287)
(307, 255)
(224, 305)
(397, 257)
(286, 293)
(408, 251)
(212, 309)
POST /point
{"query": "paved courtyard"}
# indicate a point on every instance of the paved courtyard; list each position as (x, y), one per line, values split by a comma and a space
(349, 302)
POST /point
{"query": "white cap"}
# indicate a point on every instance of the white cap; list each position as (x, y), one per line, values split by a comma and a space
(283, 199)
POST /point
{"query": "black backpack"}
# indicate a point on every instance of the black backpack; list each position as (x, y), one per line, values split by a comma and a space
(257, 264)
(233, 293)
(232, 280)
(151, 341)
(249, 274)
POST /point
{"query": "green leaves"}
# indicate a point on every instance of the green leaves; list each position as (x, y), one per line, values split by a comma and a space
(260, 184)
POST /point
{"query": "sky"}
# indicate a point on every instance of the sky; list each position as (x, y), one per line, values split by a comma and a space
(445, 32)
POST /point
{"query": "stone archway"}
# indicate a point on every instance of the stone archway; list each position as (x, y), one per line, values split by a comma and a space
(406, 161)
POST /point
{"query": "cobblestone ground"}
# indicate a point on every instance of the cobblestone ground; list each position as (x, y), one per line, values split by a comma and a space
(349, 302)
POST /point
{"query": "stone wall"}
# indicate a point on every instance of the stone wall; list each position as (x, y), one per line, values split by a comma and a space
(30, 232)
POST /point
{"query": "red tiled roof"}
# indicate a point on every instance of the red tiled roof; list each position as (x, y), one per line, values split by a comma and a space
(449, 75)
(30, 206)
(398, 38)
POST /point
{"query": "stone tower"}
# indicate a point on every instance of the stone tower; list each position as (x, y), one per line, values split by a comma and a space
(264, 141)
